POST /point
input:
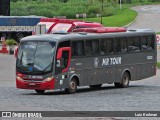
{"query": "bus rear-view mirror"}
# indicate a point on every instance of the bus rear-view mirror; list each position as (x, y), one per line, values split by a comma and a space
(63, 58)
(60, 51)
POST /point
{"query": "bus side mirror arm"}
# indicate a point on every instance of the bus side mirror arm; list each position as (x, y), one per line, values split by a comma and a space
(59, 63)
(59, 53)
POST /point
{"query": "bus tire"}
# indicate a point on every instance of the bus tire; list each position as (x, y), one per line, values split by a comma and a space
(40, 91)
(72, 86)
(95, 86)
(124, 81)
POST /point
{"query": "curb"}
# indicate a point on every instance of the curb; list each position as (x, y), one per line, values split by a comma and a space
(126, 26)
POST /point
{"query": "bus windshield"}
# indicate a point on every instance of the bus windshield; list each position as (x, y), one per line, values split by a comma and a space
(35, 57)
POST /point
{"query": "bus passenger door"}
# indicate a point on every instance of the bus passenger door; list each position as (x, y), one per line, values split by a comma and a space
(63, 60)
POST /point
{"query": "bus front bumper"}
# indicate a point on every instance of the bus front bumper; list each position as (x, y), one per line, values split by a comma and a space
(44, 85)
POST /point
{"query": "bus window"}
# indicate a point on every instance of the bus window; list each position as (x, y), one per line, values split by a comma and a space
(147, 43)
(120, 45)
(78, 48)
(92, 47)
(150, 42)
(95, 47)
(88, 47)
(144, 43)
(106, 46)
(133, 44)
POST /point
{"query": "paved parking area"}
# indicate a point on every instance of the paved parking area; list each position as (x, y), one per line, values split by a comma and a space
(148, 17)
(140, 96)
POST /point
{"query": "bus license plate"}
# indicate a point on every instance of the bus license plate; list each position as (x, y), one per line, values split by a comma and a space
(32, 84)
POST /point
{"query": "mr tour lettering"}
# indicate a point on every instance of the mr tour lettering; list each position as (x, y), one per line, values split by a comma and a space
(108, 61)
(111, 61)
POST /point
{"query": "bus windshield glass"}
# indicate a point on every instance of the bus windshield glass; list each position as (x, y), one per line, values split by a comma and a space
(35, 57)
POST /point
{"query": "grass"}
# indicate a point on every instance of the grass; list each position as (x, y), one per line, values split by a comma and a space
(112, 15)
(121, 18)
(158, 64)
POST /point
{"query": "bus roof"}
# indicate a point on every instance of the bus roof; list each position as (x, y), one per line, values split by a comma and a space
(57, 37)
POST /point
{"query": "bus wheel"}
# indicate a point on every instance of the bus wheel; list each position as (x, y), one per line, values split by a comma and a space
(95, 86)
(40, 91)
(124, 82)
(72, 86)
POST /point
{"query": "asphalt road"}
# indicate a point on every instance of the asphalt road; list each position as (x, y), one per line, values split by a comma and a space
(140, 96)
(148, 17)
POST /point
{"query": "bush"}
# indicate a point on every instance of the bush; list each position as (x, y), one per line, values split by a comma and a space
(10, 42)
(158, 64)
(68, 13)
(93, 10)
(92, 15)
(108, 12)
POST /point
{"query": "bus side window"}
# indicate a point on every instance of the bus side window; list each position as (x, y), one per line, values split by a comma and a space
(120, 45)
(95, 47)
(144, 43)
(150, 42)
(147, 43)
(106, 46)
(133, 44)
(92, 47)
(88, 47)
(102, 47)
(78, 48)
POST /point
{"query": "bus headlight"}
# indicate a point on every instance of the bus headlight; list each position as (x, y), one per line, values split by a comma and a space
(48, 79)
(19, 78)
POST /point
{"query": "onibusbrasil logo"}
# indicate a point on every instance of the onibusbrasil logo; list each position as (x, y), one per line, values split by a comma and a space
(21, 114)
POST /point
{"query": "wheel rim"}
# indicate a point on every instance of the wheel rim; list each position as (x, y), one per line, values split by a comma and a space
(72, 85)
(125, 79)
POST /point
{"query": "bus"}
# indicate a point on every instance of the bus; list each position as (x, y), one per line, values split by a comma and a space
(65, 61)
(54, 25)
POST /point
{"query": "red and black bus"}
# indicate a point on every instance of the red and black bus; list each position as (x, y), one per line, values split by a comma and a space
(65, 61)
